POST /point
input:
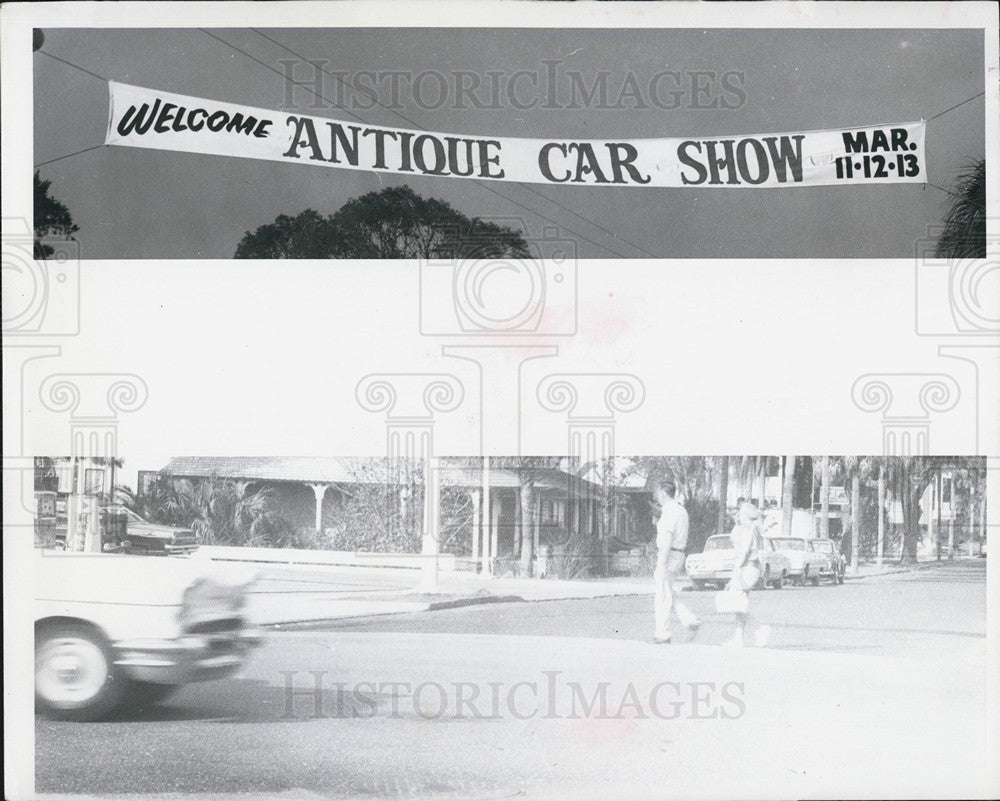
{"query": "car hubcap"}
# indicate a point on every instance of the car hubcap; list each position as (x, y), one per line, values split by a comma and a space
(70, 671)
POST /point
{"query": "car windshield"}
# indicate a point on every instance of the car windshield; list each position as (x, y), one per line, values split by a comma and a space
(718, 544)
(791, 544)
(130, 514)
(824, 547)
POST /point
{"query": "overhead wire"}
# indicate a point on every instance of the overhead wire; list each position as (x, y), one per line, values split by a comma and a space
(417, 125)
(374, 98)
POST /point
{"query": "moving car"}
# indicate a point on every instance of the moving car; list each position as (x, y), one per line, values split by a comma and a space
(804, 564)
(714, 565)
(116, 630)
(835, 566)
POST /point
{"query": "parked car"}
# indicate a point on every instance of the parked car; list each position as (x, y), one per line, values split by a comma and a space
(804, 564)
(126, 532)
(116, 630)
(835, 567)
(714, 565)
(774, 565)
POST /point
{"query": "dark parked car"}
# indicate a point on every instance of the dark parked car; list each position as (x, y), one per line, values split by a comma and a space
(836, 565)
(126, 532)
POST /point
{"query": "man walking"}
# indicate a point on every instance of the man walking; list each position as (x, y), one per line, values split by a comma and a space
(671, 540)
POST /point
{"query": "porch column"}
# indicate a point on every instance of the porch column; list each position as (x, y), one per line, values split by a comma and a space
(952, 507)
(494, 535)
(410, 402)
(319, 490)
(487, 528)
(881, 516)
(477, 523)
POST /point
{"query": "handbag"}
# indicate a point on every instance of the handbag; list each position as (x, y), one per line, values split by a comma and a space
(731, 601)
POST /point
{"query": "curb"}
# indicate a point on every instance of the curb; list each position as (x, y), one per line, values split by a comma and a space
(473, 601)
(432, 606)
(891, 571)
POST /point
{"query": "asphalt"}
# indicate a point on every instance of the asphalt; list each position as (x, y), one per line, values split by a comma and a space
(873, 689)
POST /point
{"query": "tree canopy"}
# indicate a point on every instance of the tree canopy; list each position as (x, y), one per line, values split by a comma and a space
(395, 223)
(52, 219)
(964, 235)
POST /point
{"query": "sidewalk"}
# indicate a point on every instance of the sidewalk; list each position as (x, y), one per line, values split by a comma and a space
(289, 593)
(356, 592)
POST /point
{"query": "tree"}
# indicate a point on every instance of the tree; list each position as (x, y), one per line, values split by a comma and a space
(910, 476)
(824, 521)
(219, 511)
(964, 235)
(395, 223)
(788, 497)
(52, 219)
(721, 519)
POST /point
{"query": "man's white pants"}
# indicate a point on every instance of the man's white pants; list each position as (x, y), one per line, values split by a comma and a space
(665, 583)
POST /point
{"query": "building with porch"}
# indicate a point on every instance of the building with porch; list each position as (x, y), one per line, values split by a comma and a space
(480, 519)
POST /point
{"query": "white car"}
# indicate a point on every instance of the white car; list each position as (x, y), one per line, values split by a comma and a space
(804, 564)
(113, 630)
(714, 565)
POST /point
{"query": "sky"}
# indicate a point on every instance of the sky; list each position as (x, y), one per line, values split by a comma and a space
(145, 204)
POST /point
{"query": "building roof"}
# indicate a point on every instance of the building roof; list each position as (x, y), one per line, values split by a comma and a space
(363, 470)
(308, 469)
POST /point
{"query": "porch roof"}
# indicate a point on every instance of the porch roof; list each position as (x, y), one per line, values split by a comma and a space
(545, 479)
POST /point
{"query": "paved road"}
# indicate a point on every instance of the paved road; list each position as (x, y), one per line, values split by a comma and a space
(874, 688)
(931, 613)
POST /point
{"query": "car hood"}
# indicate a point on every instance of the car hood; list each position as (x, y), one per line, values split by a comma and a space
(126, 579)
(714, 557)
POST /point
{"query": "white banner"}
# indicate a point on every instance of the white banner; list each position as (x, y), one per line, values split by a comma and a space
(147, 118)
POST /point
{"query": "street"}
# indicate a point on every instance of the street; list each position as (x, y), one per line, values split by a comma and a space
(875, 687)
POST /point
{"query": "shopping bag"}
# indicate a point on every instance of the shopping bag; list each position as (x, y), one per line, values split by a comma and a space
(732, 601)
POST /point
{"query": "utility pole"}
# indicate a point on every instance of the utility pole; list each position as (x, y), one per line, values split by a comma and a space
(723, 494)
(824, 499)
(787, 493)
(937, 505)
(432, 525)
(881, 515)
(855, 519)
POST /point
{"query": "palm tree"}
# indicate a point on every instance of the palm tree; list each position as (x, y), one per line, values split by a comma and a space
(964, 234)
(787, 496)
(219, 511)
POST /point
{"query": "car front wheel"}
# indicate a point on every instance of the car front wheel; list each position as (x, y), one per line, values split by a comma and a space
(75, 678)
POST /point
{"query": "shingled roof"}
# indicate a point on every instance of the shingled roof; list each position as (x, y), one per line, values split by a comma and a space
(309, 469)
(360, 470)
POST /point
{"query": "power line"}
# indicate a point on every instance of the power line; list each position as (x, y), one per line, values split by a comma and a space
(952, 108)
(74, 66)
(68, 155)
(276, 71)
(954, 194)
(374, 98)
